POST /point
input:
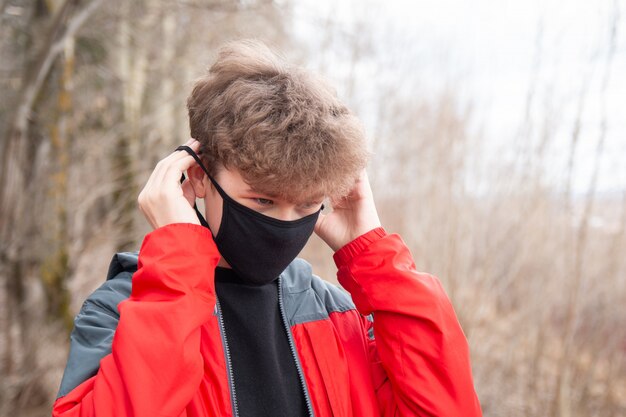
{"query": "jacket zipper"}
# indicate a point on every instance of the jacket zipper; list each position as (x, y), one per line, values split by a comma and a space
(293, 348)
(229, 367)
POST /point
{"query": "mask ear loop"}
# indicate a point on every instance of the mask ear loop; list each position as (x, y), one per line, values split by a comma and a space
(201, 165)
(203, 221)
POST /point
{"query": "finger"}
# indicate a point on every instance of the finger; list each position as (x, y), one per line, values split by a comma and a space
(177, 152)
(159, 185)
(172, 174)
(164, 165)
(193, 144)
(364, 185)
(158, 174)
(186, 162)
(338, 202)
(180, 155)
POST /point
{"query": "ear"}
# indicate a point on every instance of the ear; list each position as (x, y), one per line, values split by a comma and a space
(198, 180)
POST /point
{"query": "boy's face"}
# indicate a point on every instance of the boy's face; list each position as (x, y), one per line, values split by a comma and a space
(234, 185)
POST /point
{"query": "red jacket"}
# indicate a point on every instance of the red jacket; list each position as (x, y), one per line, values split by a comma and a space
(160, 351)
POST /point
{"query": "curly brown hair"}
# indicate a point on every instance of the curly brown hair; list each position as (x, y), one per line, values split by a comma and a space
(282, 127)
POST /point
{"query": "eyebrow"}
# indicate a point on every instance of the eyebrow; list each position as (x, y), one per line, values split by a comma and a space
(314, 199)
(252, 190)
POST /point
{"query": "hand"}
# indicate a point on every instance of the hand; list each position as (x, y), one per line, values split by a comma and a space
(351, 217)
(164, 200)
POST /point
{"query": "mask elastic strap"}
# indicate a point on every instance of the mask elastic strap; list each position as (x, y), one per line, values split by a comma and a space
(195, 156)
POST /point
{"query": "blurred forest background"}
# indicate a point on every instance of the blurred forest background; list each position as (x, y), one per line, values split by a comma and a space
(502, 165)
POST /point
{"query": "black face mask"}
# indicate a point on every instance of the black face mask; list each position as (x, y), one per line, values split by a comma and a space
(256, 246)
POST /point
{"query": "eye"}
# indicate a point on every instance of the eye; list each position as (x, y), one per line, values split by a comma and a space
(263, 201)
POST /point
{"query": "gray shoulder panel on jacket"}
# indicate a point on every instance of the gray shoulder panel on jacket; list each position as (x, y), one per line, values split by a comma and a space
(123, 262)
(307, 297)
(96, 322)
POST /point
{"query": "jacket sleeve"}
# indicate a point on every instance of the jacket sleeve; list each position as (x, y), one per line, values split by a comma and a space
(155, 365)
(419, 354)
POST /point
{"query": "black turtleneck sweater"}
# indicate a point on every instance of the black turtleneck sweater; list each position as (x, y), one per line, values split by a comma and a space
(264, 369)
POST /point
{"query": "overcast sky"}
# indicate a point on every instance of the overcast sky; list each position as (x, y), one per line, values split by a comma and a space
(492, 53)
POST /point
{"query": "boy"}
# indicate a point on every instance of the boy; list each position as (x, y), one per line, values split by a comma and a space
(221, 318)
